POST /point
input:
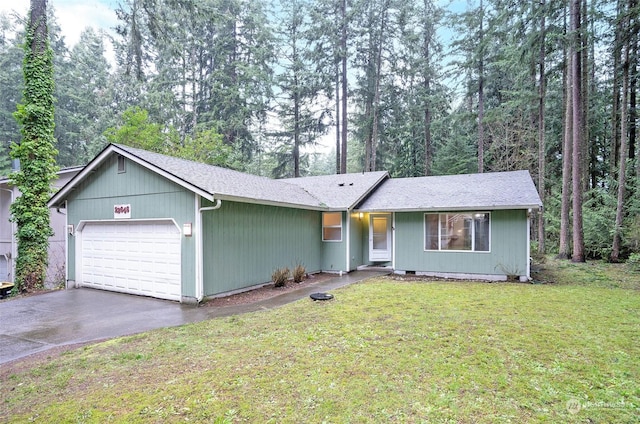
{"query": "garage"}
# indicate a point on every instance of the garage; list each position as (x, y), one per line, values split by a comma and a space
(136, 257)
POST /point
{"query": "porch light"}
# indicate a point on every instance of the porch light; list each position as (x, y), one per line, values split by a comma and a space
(186, 229)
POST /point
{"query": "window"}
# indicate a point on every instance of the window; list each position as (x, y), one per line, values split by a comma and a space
(121, 165)
(467, 231)
(332, 226)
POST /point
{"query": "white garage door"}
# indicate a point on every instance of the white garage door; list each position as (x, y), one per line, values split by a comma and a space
(133, 257)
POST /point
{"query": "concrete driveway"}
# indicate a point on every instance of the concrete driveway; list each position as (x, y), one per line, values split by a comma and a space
(37, 323)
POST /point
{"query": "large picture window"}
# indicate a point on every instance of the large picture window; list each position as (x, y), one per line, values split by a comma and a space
(465, 231)
(332, 226)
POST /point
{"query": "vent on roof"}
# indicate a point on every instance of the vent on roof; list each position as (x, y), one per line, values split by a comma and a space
(341, 184)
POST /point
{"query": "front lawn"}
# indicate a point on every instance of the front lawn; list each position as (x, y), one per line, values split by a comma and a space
(381, 351)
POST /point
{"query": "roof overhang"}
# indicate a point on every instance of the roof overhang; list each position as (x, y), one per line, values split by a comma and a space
(251, 200)
(454, 209)
(58, 199)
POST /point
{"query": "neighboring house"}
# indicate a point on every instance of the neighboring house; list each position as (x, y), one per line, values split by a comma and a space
(8, 244)
(144, 223)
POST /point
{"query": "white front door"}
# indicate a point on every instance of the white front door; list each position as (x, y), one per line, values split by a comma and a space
(379, 237)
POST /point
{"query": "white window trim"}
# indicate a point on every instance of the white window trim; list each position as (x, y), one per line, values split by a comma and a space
(332, 226)
(473, 233)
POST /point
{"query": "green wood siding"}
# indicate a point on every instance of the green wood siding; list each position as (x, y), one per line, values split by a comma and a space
(150, 196)
(355, 241)
(244, 243)
(508, 255)
(334, 253)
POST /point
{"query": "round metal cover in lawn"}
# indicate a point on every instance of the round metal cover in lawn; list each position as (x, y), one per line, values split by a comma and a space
(321, 296)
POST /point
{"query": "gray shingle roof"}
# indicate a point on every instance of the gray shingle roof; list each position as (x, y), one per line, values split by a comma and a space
(228, 184)
(340, 191)
(497, 190)
(372, 191)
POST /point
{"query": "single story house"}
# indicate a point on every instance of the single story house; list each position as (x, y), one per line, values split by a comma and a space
(57, 242)
(144, 223)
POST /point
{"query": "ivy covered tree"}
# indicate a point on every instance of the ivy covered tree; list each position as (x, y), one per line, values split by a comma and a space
(36, 153)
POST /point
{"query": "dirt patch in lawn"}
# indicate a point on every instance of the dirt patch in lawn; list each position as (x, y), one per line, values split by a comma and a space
(267, 291)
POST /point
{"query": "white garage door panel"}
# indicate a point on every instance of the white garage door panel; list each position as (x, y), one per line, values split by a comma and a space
(138, 258)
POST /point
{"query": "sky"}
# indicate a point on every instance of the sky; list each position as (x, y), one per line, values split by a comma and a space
(73, 15)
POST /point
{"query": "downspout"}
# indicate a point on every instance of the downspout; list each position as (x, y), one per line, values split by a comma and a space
(393, 242)
(529, 245)
(200, 245)
(212, 208)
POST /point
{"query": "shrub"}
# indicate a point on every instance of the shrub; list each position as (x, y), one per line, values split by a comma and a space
(298, 273)
(280, 277)
(633, 263)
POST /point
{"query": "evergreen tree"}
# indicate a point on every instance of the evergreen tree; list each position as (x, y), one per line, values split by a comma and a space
(11, 84)
(83, 100)
(303, 83)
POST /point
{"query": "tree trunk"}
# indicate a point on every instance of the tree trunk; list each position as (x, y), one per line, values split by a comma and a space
(541, 129)
(343, 45)
(596, 174)
(196, 70)
(337, 119)
(428, 144)
(615, 109)
(617, 236)
(481, 94)
(296, 128)
(38, 25)
(633, 81)
(376, 96)
(584, 93)
(577, 115)
(428, 148)
(564, 251)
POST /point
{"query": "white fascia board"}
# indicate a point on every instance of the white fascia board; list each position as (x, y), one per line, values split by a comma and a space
(69, 170)
(450, 209)
(273, 203)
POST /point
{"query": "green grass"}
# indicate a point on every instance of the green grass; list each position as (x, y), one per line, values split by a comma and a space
(381, 351)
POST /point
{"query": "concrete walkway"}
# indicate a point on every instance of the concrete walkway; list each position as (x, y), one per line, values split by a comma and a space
(37, 323)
